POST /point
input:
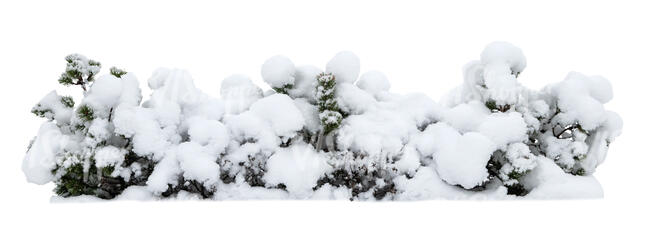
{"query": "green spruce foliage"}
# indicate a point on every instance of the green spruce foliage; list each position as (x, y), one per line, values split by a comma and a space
(492, 105)
(79, 71)
(117, 72)
(85, 113)
(284, 89)
(329, 112)
(67, 101)
(43, 112)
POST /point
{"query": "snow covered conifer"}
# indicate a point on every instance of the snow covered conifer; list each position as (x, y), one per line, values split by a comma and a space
(327, 104)
(79, 71)
(91, 159)
(117, 72)
(344, 67)
(329, 113)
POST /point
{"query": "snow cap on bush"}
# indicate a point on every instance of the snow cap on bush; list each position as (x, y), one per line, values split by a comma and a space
(208, 133)
(278, 71)
(351, 99)
(279, 111)
(198, 163)
(504, 128)
(173, 85)
(504, 53)
(298, 168)
(373, 82)
(239, 93)
(54, 107)
(40, 159)
(304, 84)
(105, 91)
(466, 117)
(580, 98)
(345, 66)
(461, 159)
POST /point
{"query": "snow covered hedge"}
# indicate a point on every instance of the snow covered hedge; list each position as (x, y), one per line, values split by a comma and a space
(323, 134)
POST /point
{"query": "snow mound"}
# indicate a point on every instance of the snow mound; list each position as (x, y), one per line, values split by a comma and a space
(40, 159)
(378, 133)
(109, 156)
(427, 185)
(106, 90)
(504, 53)
(460, 159)
(504, 128)
(305, 82)
(53, 108)
(345, 66)
(239, 93)
(548, 181)
(136, 193)
(298, 168)
(208, 132)
(466, 117)
(353, 100)
(309, 114)
(280, 113)
(142, 125)
(173, 85)
(198, 164)
(278, 71)
(581, 99)
(373, 82)
(165, 173)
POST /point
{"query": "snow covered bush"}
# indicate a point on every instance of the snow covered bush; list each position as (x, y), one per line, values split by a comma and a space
(323, 134)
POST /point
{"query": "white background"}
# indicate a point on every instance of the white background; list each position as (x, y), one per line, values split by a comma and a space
(421, 46)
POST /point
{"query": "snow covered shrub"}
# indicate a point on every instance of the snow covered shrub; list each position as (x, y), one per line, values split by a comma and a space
(323, 134)
(577, 130)
(78, 148)
(524, 124)
(271, 123)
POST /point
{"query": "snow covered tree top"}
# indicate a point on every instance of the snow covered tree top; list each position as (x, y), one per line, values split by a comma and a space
(79, 70)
